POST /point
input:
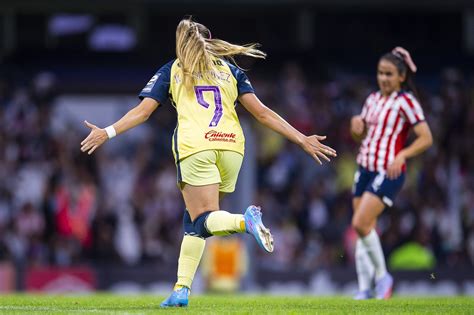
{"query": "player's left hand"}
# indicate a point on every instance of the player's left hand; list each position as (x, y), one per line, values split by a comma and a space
(395, 169)
(95, 139)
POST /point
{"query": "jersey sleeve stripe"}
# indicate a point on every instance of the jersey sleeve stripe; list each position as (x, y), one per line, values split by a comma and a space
(415, 108)
(408, 112)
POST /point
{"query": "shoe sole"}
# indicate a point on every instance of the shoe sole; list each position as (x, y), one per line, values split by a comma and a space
(266, 237)
(175, 305)
(355, 298)
(388, 294)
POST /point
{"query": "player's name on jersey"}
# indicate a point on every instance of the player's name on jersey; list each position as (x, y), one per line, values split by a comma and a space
(219, 75)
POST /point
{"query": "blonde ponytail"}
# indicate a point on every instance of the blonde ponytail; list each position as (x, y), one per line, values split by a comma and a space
(195, 50)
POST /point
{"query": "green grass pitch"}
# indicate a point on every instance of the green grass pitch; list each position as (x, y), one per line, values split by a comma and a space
(230, 304)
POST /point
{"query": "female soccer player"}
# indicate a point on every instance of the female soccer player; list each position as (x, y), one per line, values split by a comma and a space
(387, 117)
(208, 142)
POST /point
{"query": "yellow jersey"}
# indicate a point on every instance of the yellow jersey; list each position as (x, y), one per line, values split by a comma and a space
(207, 119)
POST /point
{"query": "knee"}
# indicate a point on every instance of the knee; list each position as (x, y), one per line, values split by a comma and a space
(196, 228)
(188, 226)
(199, 225)
(361, 226)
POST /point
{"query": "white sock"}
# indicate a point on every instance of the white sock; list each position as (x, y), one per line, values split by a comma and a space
(365, 268)
(371, 243)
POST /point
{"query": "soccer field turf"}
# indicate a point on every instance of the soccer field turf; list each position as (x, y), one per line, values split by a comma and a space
(230, 304)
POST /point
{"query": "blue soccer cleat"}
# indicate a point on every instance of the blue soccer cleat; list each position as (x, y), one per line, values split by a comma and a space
(179, 298)
(383, 287)
(254, 226)
(363, 295)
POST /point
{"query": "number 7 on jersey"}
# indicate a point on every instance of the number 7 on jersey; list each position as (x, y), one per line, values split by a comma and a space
(199, 90)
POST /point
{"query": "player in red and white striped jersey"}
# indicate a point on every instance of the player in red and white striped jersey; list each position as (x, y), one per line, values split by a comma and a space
(388, 120)
(383, 126)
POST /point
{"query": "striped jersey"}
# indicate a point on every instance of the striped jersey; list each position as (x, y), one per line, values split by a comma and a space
(207, 119)
(388, 120)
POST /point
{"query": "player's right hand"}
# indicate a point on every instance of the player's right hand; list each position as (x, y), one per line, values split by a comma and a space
(96, 137)
(316, 149)
(357, 125)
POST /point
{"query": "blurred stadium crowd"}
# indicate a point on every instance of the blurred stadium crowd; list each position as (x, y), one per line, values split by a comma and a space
(59, 206)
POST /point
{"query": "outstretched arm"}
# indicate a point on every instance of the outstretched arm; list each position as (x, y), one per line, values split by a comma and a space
(132, 118)
(272, 120)
(423, 141)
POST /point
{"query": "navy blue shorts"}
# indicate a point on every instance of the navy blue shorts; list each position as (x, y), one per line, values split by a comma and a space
(378, 184)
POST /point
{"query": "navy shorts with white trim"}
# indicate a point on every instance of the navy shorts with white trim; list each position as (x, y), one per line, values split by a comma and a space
(378, 184)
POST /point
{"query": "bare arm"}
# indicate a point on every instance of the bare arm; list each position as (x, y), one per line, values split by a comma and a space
(136, 115)
(272, 120)
(358, 129)
(132, 118)
(423, 141)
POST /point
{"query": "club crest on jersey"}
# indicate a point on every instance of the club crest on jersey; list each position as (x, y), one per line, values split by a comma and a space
(213, 135)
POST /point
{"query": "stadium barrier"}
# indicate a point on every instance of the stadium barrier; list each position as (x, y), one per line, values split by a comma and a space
(60, 280)
(7, 276)
(158, 279)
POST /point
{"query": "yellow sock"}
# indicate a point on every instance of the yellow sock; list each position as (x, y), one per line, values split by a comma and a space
(190, 255)
(225, 223)
(178, 286)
